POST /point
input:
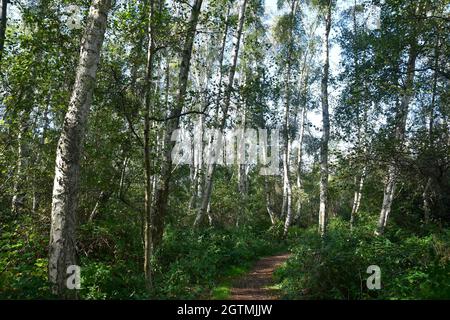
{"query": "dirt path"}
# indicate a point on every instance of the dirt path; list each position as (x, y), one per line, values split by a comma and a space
(253, 286)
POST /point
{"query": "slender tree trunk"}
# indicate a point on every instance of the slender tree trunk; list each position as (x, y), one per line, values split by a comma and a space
(427, 201)
(359, 182)
(162, 192)
(401, 117)
(19, 191)
(39, 160)
(242, 166)
(102, 198)
(323, 206)
(147, 101)
(3, 17)
(287, 190)
(194, 176)
(122, 175)
(427, 192)
(227, 99)
(221, 56)
(269, 205)
(62, 252)
(197, 163)
(286, 207)
(300, 161)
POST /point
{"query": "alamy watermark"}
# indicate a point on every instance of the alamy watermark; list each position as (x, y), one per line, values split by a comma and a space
(239, 146)
(374, 280)
(74, 279)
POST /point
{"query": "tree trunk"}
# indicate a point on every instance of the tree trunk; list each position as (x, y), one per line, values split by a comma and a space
(211, 167)
(242, 166)
(39, 161)
(197, 163)
(427, 201)
(65, 187)
(300, 162)
(221, 56)
(287, 190)
(323, 206)
(359, 182)
(3, 17)
(102, 198)
(286, 207)
(19, 188)
(427, 192)
(269, 205)
(162, 192)
(148, 92)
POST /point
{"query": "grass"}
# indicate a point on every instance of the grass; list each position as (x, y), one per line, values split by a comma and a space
(223, 290)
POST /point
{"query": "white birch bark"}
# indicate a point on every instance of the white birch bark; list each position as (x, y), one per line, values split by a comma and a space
(20, 177)
(427, 192)
(287, 190)
(62, 251)
(286, 207)
(147, 101)
(359, 181)
(323, 205)
(3, 17)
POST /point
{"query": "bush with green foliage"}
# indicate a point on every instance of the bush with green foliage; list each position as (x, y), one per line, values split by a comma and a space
(412, 267)
(23, 260)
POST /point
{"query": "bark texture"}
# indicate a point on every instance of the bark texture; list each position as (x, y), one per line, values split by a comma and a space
(65, 187)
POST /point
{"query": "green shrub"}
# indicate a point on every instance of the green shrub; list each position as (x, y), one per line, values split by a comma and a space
(412, 267)
(23, 261)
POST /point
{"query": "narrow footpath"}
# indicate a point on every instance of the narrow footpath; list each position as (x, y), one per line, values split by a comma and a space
(255, 285)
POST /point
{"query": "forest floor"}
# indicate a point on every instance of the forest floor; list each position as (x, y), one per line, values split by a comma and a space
(258, 284)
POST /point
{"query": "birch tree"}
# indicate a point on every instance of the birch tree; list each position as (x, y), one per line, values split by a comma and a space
(3, 17)
(286, 209)
(147, 91)
(62, 252)
(323, 205)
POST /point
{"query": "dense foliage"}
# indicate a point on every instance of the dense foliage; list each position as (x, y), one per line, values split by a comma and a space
(412, 266)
